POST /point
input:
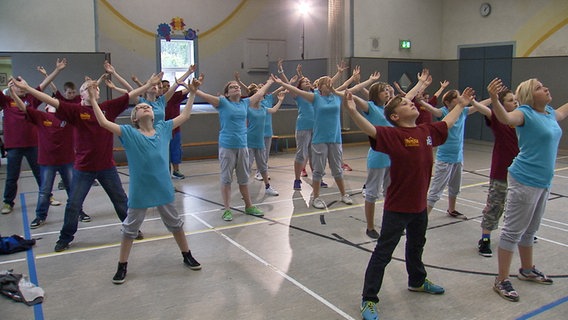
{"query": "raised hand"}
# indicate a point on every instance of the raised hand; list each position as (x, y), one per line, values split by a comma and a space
(466, 97)
(61, 64)
(41, 70)
(495, 86)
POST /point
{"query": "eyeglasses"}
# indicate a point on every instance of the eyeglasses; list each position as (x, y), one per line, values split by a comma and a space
(234, 87)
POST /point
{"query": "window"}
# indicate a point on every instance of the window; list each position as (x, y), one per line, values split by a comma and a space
(176, 56)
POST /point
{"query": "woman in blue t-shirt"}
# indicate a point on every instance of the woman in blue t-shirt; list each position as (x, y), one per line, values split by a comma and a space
(529, 179)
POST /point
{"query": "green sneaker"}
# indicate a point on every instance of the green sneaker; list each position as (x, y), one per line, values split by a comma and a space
(227, 215)
(428, 287)
(254, 211)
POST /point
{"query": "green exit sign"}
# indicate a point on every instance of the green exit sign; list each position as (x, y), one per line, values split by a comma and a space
(405, 44)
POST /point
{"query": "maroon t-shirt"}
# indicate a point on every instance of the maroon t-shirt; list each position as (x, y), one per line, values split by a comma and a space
(505, 147)
(425, 115)
(55, 138)
(93, 143)
(18, 133)
(410, 151)
(172, 108)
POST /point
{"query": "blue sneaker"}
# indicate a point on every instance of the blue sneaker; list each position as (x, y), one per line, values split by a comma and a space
(369, 310)
(297, 184)
(428, 287)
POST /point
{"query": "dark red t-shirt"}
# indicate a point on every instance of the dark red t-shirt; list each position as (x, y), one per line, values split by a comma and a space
(18, 133)
(410, 151)
(93, 143)
(505, 147)
(172, 108)
(55, 138)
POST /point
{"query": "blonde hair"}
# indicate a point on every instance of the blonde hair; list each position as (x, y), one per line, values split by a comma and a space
(133, 114)
(524, 92)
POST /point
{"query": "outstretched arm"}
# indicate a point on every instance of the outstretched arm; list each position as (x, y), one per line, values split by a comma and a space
(41, 70)
(112, 86)
(463, 100)
(241, 83)
(259, 94)
(154, 80)
(41, 96)
(59, 65)
(443, 85)
(278, 104)
(136, 80)
(423, 78)
(349, 104)
(102, 120)
(186, 113)
(355, 77)
(430, 108)
(309, 96)
(342, 66)
(183, 77)
(481, 108)
(112, 71)
(19, 103)
(514, 118)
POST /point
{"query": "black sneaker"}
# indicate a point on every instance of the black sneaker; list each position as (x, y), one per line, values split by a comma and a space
(120, 275)
(190, 261)
(140, 236)
(36, 223)
(61, 185)
(484, 246)
(372, 234)
(61, 246)
(84, 217)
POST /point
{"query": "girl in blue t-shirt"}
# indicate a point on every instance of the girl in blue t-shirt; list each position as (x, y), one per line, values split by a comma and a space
(529, 179)
(233, 151)
(146, 143)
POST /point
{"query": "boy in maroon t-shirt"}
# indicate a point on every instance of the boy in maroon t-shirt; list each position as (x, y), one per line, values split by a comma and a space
(20, 137)
(410, 149)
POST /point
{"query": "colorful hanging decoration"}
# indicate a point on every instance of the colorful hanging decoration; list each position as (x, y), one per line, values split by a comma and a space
(176, 27)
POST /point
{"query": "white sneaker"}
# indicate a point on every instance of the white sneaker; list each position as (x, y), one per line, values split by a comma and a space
(364, 191)
(318, 203)
(54, 202)
(346, 199)
(258, 176)
(271, 192)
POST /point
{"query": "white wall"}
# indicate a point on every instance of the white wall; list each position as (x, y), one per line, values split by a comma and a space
(47, 26)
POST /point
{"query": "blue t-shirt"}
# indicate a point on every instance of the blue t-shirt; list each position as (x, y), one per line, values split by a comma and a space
(158, 106)
(327, 128)
(233, 122)
(267, 103)
(255, 128)
(538, 145)
(305, 120)
(452, 150)
(148, 165)
(376, 116)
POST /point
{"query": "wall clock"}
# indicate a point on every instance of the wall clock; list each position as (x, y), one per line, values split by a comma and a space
(485, 9)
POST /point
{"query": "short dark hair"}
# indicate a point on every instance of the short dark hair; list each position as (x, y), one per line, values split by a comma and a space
(391, 107)
(69, 85)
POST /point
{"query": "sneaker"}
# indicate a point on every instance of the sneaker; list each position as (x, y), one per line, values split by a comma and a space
(318, 203)
(61, 246)
(190, 261)
(298, 184)
(139, 236)
(61, 185)
(456, 214)
(505, 289)
(373, 234)
(346, 167)
(484, 246)
(254, 211)
(95, 183)
(54, 202)
(83, 217)
(271, 192)
(7, 208)
(369, 310)
(534, 276)
(178, 175)
(120, 275)
(535, 239)
(323, 184)
(303, 173)
(428, 287)
(364, 191)
(227, 215)
(37, 223)
(258, 176)
(346, 199)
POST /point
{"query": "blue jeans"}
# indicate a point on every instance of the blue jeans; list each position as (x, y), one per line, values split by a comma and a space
(15, 156)
(394, 224)
(81, 183)
(47, 174)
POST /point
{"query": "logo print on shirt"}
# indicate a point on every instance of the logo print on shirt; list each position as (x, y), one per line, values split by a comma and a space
(47, 123)
(429, 141)
(411, 142)
(85, 116)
